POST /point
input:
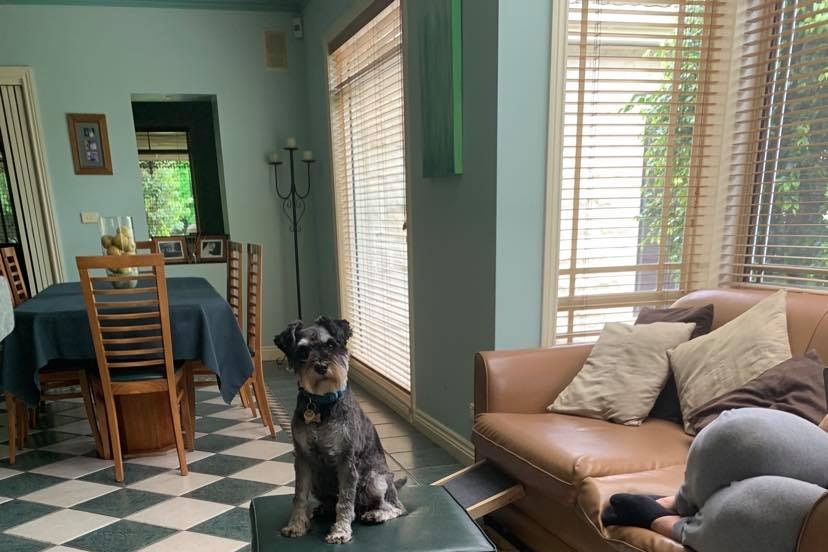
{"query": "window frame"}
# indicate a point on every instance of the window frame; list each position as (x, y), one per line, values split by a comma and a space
(699, 268)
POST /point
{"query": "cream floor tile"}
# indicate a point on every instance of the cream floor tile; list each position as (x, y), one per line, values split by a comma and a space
(69, 493)
(180, 513)
(233, 414)
(72, 468)
(218, 400)
(261, 449)
(275, 473)
(4, 473)
(173, 483)
(195, 542)
(169, 459)
(245, 430)
(61, 526)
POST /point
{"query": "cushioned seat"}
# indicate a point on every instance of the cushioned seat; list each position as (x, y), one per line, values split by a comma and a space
(557, 452)
(138, 374)
(434, 522)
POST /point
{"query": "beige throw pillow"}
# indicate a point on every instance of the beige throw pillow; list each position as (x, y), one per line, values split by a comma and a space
(624, 373)
(729, 357)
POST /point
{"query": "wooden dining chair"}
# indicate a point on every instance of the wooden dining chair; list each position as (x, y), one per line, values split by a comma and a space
(254, 334)
(234, 298)
(14, 274)
(130, 329)
(56, 379)
(144, 247)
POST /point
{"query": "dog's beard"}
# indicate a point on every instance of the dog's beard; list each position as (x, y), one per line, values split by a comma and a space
(333, 380)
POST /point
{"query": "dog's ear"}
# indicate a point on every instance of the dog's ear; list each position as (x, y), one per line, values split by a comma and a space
(286, 340)
(340, 330)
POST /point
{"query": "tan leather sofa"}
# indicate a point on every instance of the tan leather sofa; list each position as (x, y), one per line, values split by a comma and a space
(570, 466)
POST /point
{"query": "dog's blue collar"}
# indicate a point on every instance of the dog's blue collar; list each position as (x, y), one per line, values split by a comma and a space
(323, 400)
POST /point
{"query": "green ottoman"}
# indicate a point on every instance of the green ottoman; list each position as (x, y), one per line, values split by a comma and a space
(434, 522)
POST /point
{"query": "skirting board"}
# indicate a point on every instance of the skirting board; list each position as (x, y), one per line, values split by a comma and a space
(453, 442)
(271, 352)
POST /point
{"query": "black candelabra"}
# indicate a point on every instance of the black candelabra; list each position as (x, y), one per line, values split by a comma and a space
(293, 203)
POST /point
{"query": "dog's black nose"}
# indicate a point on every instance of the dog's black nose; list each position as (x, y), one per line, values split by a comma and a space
(320, 368)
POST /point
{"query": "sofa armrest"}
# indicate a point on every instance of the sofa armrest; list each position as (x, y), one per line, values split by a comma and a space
(814, 532)
(524, 381)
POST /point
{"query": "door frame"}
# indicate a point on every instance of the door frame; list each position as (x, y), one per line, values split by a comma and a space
(24, 77)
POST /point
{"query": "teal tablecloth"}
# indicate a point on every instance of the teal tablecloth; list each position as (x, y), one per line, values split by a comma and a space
(53, 326)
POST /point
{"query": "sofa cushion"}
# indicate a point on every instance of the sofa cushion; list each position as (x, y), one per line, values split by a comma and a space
(732, 355)
(557, 452)
(624, 373)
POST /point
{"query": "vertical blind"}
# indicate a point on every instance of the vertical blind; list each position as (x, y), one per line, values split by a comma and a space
(638, 87)
(25, 186)
(780, 177)
(367, 130)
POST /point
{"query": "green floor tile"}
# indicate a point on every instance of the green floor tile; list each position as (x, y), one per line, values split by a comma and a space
(122, 536)
(234, 524)
(133, 473)
(16, 544)
(222, 464)
(18, 512)
(209, 424)
(231, 491)
(34, 459)
(19, 485)
(202, 396)
(205, 409)
(218, 443)
(48, 421)
(47, 437)
(406, 443)
(288, 457)
(424, 458)
(121, 503)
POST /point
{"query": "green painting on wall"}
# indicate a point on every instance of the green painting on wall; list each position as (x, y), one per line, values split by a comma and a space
(441, 87)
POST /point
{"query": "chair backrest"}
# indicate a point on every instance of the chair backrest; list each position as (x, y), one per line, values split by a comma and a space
(234, 276)
(130, 326)
(254, 298)
(14, 275)
(147, 246)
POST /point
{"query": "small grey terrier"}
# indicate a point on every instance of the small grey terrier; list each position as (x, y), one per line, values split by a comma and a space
(339, 458)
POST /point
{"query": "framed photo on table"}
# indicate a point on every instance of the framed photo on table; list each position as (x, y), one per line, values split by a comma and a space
(173, 248)
(211, 249)
(90, 143)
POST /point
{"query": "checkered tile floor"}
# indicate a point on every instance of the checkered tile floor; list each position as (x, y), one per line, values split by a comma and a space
(59, 497)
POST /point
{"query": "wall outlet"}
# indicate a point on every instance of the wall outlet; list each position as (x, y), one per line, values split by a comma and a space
(89, 217)
(471, 411)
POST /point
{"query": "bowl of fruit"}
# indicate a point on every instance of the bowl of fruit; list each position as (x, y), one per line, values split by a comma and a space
(117, 238)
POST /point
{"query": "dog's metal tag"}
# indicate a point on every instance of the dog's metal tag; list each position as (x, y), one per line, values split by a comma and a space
(312, 417)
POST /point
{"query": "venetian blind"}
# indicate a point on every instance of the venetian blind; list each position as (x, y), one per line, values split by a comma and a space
(637, 90)
(366, 99)
(780, 175)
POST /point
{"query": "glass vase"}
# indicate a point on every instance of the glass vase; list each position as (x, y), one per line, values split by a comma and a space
(118, 238)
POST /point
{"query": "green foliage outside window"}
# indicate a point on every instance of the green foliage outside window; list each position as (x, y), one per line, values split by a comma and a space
(168, 197)
(792, 229)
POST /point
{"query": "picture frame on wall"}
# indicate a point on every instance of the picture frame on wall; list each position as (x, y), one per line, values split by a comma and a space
(211, 249)
(89, 141)
(172, 248)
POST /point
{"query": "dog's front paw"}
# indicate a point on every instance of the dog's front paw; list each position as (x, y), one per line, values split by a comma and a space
(296, 528)
(338, 535)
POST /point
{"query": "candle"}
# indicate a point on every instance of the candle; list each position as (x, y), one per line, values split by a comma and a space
(274, 157)
(291, 142)
(307, 155)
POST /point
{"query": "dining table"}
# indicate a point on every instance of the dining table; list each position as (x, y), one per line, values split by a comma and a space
(53, 326)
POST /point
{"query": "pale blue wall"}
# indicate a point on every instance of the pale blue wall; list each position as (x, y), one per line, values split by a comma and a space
(92, 59)
(522, 106)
